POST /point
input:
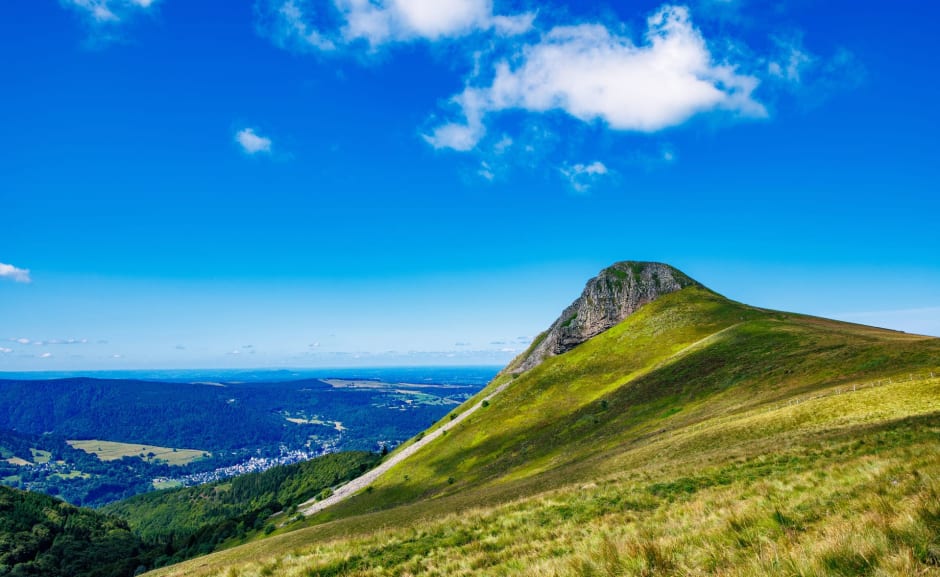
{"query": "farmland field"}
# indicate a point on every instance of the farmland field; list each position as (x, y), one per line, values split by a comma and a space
(112, 451)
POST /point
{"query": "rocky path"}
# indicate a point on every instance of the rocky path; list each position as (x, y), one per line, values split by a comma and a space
(351, 488)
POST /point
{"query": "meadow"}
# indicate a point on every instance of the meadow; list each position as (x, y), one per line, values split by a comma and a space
(113, 451)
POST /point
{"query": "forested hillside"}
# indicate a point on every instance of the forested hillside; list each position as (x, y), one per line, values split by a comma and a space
(191, 521)
(45, 537)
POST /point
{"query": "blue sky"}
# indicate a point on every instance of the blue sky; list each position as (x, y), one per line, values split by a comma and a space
(313, 183)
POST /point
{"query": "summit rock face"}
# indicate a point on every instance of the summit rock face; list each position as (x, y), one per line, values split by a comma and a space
(614, 294)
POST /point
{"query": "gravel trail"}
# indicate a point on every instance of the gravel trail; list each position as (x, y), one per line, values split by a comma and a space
(351, 488)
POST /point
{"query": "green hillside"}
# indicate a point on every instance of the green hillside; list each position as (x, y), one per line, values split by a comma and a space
(699, 436)
(182, 523)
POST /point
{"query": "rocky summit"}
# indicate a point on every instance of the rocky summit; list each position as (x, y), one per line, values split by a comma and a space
(614, 294)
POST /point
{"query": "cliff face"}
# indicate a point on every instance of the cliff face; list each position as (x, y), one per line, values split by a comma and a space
(617, 292)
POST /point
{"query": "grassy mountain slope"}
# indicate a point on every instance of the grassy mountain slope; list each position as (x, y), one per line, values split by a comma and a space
(699, 436)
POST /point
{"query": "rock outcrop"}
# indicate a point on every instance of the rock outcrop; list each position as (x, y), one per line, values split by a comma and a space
(617, 292)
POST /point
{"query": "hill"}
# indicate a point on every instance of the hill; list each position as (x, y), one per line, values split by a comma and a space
(697, 436)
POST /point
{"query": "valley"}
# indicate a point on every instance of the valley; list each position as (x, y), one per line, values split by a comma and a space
(102, 440)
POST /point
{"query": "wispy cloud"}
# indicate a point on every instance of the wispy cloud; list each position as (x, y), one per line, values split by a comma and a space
(597, 75)
(286, 24)
(43, 343)
(809, 77)
(46, 356)
(792, 60)
(582, 177)
(64, 342)
(8, 271)
(244, 350)
(251, 142)
(104, 17)
(5, 350)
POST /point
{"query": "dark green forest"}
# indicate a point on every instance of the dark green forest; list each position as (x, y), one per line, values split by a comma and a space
(46, 537)
(43, 536)
(213, 418)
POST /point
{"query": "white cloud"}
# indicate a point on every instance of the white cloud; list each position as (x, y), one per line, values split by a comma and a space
(402, 20)
(583, 176)
(594, 74)
(45, 356)
(108, 11)
(21, 340)
(13, 273)
(251, 142)
(289, 23)
(5, 350)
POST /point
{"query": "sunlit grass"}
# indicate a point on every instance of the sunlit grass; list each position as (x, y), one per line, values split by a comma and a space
(859, 498)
